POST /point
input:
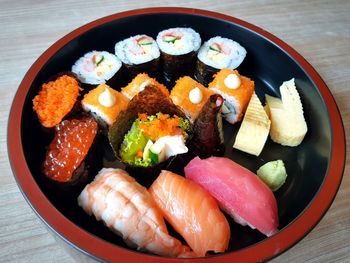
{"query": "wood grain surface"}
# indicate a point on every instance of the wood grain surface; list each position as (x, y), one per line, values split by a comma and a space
(318, 29)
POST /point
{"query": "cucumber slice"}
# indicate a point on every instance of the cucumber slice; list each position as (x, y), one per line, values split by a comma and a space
(169, 39)
(215, 47)
(99, 61)
(145, 43)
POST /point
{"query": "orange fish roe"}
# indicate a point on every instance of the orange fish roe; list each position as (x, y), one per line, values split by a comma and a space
(139, 83)
(162, 126)
(69, 148)
(55, 100)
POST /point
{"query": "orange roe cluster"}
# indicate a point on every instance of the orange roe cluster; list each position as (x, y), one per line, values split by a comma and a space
(159, 127)
(69, 148)
(55, 100)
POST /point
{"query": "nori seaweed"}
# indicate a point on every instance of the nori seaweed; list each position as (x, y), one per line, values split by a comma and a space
(207, 137)
(204, 73)
(177, 66)
(152, 68)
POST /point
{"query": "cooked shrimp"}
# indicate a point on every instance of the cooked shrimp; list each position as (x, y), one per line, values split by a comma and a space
(128, 209)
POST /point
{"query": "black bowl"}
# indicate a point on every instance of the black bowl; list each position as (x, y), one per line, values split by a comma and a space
(314, 168)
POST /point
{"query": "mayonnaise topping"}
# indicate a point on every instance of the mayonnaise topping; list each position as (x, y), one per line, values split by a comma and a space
(232, 81)
(195, 95)
(106, 98)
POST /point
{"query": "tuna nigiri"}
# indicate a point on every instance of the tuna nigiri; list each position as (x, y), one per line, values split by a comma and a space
(192, 212)
(128, 209)
(238, 191)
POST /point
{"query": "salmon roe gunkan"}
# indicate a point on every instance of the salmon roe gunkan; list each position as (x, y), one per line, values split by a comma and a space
(73, 139)
(56, 99)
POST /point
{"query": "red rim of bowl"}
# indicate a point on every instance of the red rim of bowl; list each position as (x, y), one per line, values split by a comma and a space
(104, 250)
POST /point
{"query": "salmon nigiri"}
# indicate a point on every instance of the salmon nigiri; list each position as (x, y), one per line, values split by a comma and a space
(192, 212)
(127, 208)
(238, 191)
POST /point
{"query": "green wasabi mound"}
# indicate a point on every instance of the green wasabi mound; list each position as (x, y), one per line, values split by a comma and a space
(273, 174)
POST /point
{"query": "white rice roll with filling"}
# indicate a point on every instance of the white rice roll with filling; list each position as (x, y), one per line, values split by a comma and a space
(139, 54)
(178, 41)
(215, 54)
(178, 48)
(96, 67)
(219, 52)
(137, 50)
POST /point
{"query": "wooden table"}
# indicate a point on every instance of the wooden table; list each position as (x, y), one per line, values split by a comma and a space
(318, 29)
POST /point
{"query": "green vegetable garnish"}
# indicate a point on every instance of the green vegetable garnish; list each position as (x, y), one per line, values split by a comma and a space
(154, 157)
(169, 39)
(273, 174)
(100, 60)
(215, 48)
(145, 43)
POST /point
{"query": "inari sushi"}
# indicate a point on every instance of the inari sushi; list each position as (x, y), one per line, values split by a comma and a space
(104, 103)
(139, 83)
(238, 191)
(192, 212)
(236, 91)
(98, 67)
(215, 54)
(178, 48)
(139, 54)
(64, 161)
(126, 207)
(190, 96)
(56, 99)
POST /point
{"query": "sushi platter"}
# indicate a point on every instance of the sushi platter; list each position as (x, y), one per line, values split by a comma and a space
(176, 139)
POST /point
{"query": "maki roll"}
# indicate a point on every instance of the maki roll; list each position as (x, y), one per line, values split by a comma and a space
(56, 99)
(178, 48)
(190, 96)
(236, 91)
(98, 67)
(64, 162)
(139, 54)
(149, 134)
(215, 54)
(139, 83)
(104, 103)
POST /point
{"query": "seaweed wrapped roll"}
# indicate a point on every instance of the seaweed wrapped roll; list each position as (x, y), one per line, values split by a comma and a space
(215, 54)
(139, 54)
(98, 67)
(178, 48)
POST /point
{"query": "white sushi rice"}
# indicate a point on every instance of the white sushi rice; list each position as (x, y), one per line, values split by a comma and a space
(232, 56)
(190, 41)
(231, 108)
(128, 51)
(89, 72)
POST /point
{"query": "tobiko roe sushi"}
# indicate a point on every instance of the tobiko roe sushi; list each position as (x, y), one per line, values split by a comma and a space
(192, 212)
(67, 151)
(236, 90)
(238, 191)
(128, 209)
(56, 99)
(104, 103)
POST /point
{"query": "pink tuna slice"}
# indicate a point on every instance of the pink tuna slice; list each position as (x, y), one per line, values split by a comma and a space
(239, 192)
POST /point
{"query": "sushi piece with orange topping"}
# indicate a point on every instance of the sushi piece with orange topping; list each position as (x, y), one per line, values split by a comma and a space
(64, 161)
(190, 96)
(236, 91)
(104, 103)
(139, 83)
(56, 99)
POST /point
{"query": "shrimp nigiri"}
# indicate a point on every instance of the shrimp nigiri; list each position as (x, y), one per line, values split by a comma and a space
(128, 209)
(192, 212)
